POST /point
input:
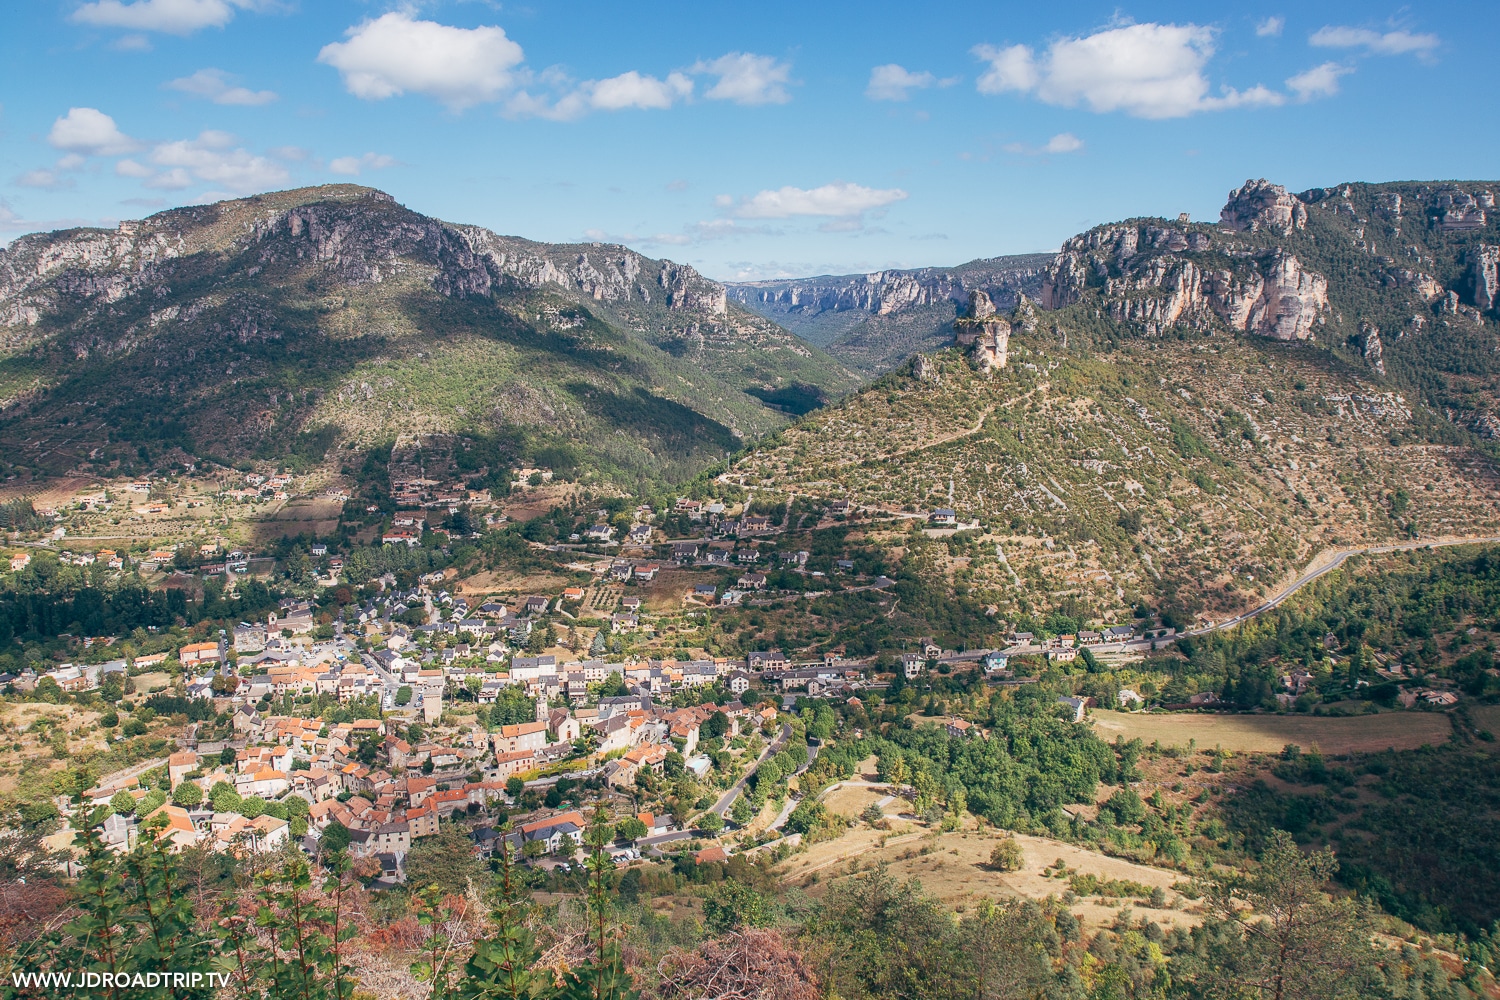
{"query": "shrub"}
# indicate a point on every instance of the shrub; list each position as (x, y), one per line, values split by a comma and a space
(1007, 856)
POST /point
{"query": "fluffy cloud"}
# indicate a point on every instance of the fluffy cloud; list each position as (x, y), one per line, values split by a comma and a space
(1391, 43)
(91, 132)
(396, 54)
(1144, 70)
(840, 200)
(618, 93)
(1271, 27)
(1320, 81)
(894, 83)
(746, 78)
(742, 78)
(632, 90)
(216, 86)
(213, 158)
(173, 17)
(351, 166)
(1063, 142)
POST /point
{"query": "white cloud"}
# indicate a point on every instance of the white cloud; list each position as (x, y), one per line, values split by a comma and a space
(295, 154)
(173, 17)
(351, 166)
(170, 180)
(746, 78)
(396, 54)
(893, 83)
(1063, 142)
(44, 178)
(1144, 70)
(1320, 81)
(1271, 27)
(130, 168)
(213, 158)
(1391, 43)
(839, 200)
(91, 132)
(627, 91)
(216, 86)
(632, 90)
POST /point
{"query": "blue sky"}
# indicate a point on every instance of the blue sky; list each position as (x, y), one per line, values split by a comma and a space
(750, 140)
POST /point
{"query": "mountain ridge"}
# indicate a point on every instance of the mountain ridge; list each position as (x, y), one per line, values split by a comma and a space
(874, 321)
(336, 311)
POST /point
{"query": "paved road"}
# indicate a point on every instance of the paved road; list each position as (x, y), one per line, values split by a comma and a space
(727, 799)
(1329, 560)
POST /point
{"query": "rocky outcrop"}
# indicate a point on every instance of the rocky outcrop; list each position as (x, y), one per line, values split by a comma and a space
(1263, 205)
(1484, 274)
(1370, 347)
(1457, 209)
(984, 333)
(1159, 277)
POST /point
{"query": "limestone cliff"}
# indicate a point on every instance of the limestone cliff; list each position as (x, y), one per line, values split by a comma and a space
(1162, 276)
(985, 334)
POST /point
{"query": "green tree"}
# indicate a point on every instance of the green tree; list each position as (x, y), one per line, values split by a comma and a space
(742, 811)
(630, 828)
(1277, 934)
(1007, 856)
(403, 695)
(446, 860)
(335, 838)
(224, 797)
(710, 823)
(188, 795)
(732, 904)
(122, 802)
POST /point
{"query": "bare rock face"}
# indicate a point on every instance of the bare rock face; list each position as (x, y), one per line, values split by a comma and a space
(1263, 205)
(1370, 347)
(1151, 276)
(1290, 301)
(985, 334)
(924, 370)
(1484, 272)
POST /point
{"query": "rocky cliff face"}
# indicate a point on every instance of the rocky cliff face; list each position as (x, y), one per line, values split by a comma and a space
(1163, 276)
(1402, 279)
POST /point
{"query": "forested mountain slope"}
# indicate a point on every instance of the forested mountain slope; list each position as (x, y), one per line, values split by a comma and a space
(287, 323)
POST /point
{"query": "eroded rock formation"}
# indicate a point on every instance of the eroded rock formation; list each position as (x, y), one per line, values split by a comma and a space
(983, 332)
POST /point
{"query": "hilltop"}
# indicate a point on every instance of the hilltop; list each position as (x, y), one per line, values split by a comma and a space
(1194, 410)
(293, 324)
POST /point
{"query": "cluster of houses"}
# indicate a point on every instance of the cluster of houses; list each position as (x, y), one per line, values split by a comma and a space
(409, 788)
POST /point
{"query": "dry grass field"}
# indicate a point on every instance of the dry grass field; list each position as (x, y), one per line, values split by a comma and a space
(1268, 733)
(313, 516)
(953, 867)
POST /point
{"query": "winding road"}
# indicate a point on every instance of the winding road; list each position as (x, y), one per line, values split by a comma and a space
(1329, 560)
(775, 746)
